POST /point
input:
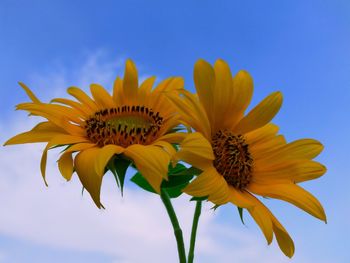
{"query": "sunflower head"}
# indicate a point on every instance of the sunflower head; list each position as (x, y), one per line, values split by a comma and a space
(133, 123)
(241, 155)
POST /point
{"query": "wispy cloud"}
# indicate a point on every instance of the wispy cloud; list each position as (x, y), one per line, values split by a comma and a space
(134, 228)
(96, 67)
(2, 256)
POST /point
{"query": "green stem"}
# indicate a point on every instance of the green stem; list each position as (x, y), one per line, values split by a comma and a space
(177, 230)
(196, 216)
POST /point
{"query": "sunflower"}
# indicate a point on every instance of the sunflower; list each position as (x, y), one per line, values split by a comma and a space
(133, 123)
(242, 156)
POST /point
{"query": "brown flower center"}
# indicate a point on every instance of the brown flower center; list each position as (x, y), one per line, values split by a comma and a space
(232, 158)
(124, 126)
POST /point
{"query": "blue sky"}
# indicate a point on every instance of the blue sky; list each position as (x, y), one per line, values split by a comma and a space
(301, 48)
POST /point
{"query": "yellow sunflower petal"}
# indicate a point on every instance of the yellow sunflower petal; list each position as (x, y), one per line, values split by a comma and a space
(130, 82)
(144, 91)
(151, 161)
(262, 134)
(158, 101)
(261, 216)
(102, 97)
(291, 171)
(242, 94)
(118, 91)
(170, 149)
(265, 219)
(76, 105)
(84, 164)
(299, 149)
(209, 183)
(83, 98)
(261, 114)
(47, 126)
(169, 85)
(80, 146)
(177, 137)
(285, 242)
(194, 107)
(64, 139)
(176, 84)
(222, 96)
(65, 165)
(293, 194)
(311, 171)
(169, 124)
(263, 149)
(204, 79)
(104, 155)
(57, 140)
(31, 137)
(196, 150)
(304, 148)
(29, 93)
(42, 132)
(240, 198)
(43, 109)
(192, 112)
(43, 164)
(55, 116)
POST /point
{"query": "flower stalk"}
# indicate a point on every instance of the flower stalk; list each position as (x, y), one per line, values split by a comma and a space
(196, 216)
(176, 226)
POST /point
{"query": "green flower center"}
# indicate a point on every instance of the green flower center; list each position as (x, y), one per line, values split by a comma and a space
(232, 158)
(124, 126)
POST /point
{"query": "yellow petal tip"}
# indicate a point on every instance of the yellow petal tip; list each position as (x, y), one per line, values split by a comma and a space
(201, 63)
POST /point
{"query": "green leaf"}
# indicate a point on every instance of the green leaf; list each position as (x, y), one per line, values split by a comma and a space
(176, 183)
(139, 180)
(177, 169)
(175, 192)
(173, 186)
(240, 211)
(188, 171)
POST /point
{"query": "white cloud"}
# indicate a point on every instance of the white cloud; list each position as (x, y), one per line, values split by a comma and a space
(2, 256)
(97, 67)
(132, 229)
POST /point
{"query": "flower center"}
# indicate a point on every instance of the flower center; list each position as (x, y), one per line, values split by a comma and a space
(124, 126)
(232, 158)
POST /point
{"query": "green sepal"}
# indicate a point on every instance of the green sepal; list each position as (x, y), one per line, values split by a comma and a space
(240, 211)
(215, 207)
(110, 167)
(118, 166)
(199, 198)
